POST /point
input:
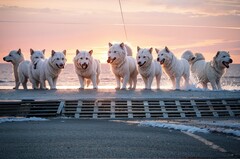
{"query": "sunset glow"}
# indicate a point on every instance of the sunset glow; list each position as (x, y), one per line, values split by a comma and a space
(205, 26)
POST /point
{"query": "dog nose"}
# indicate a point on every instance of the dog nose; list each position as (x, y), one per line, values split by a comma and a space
(157, 59)
(231, 61)
(139, 63)
(4, 58)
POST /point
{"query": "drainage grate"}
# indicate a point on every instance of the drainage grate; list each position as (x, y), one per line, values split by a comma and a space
(123, 109)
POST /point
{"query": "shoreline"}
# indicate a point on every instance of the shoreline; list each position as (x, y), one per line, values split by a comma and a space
(90, 94)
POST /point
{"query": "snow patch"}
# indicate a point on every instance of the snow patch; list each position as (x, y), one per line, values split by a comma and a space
(180, 127)
(16, 119)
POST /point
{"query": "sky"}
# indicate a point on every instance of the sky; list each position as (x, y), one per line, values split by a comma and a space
(204, 26)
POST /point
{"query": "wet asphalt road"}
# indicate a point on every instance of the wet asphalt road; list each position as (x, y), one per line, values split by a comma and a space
(73, 138)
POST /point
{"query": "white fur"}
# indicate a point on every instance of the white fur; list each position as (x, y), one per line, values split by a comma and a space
(20, 74)
(86, 67)
(37, 60)
(148, 68)
(174, 68)
(52, 68)
(123, 66)
(212, 72)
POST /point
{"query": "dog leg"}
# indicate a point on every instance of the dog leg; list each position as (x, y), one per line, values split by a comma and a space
(178, 83)
(50, 82)
(158, 78)
(118, 82)
(150, 80)
(145, 82)
(204, 85)
(81, 80)
(213, 84)
(219, 84)
(125, 80)
(173, 82)
(94, 81)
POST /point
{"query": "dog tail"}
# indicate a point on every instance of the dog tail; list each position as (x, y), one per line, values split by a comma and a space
(188, 55)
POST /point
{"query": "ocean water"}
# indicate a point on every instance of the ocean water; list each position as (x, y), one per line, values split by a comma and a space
(69, 80)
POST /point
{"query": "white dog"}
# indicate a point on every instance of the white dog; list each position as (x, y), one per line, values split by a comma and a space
(174, 67)
(212, 72)
(86, 67)
(37, 60)
(52, 68)
(20, 67)
(123, 66)
(148, 68)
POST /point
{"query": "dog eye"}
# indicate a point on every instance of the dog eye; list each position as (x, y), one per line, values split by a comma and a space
(109, 52)
(161, 54)
(139, 57)
(115, 51)
(81, 58)
(224, 56)
(10, 55)
(86, 58)
(58, 59)
(144, 56)
(62, 58)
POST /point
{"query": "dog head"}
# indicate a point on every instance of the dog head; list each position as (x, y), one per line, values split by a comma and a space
(37, 55)
(164, 56)
(58, 59)
(83, 59)
(116, 53)
(222, 59)
(144, 56)
(15, 56)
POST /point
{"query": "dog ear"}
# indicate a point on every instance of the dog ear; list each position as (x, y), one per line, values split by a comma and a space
(156, 50)
(53, 52)
(217, 54)
(138, 48)
(19, 51)
(90, 52)
(77, 51)
(166, 48)
(31, 51)
(64, 52)
(43, 51)
(150, 50)
(122, 45)
(109, 44)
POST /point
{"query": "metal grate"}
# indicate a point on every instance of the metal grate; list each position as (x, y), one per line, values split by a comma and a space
(124, 109)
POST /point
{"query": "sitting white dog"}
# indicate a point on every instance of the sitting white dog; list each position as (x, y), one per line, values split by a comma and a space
(86, 67)
(123, 66)
(20, 67)
(51, 69)
(148, 68)
(212, 72)
(37, 60)
(174, 67)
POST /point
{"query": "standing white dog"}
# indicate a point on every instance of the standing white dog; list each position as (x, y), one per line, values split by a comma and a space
(174, 67)
(212, 72)
(123, 66)
(148, 68)
(37, 60)
(86, 67)
(20, 67)
(52, 67)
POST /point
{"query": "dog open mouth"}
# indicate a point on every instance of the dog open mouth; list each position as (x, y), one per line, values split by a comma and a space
(162, 61)
(140, 65)
(84, 66)
(226, 64)
(61, 66)
(111, 60)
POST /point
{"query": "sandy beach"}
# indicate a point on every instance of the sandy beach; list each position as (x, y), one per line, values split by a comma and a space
(74, 94)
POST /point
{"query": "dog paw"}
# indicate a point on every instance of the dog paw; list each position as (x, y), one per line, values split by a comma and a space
(123, 89)
(81, 88)
(117, 88)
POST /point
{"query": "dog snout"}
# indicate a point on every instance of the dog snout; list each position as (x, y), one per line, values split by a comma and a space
(109, 59)
(4, 58)
(158, 59)
(230, 61)
(139, 63)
